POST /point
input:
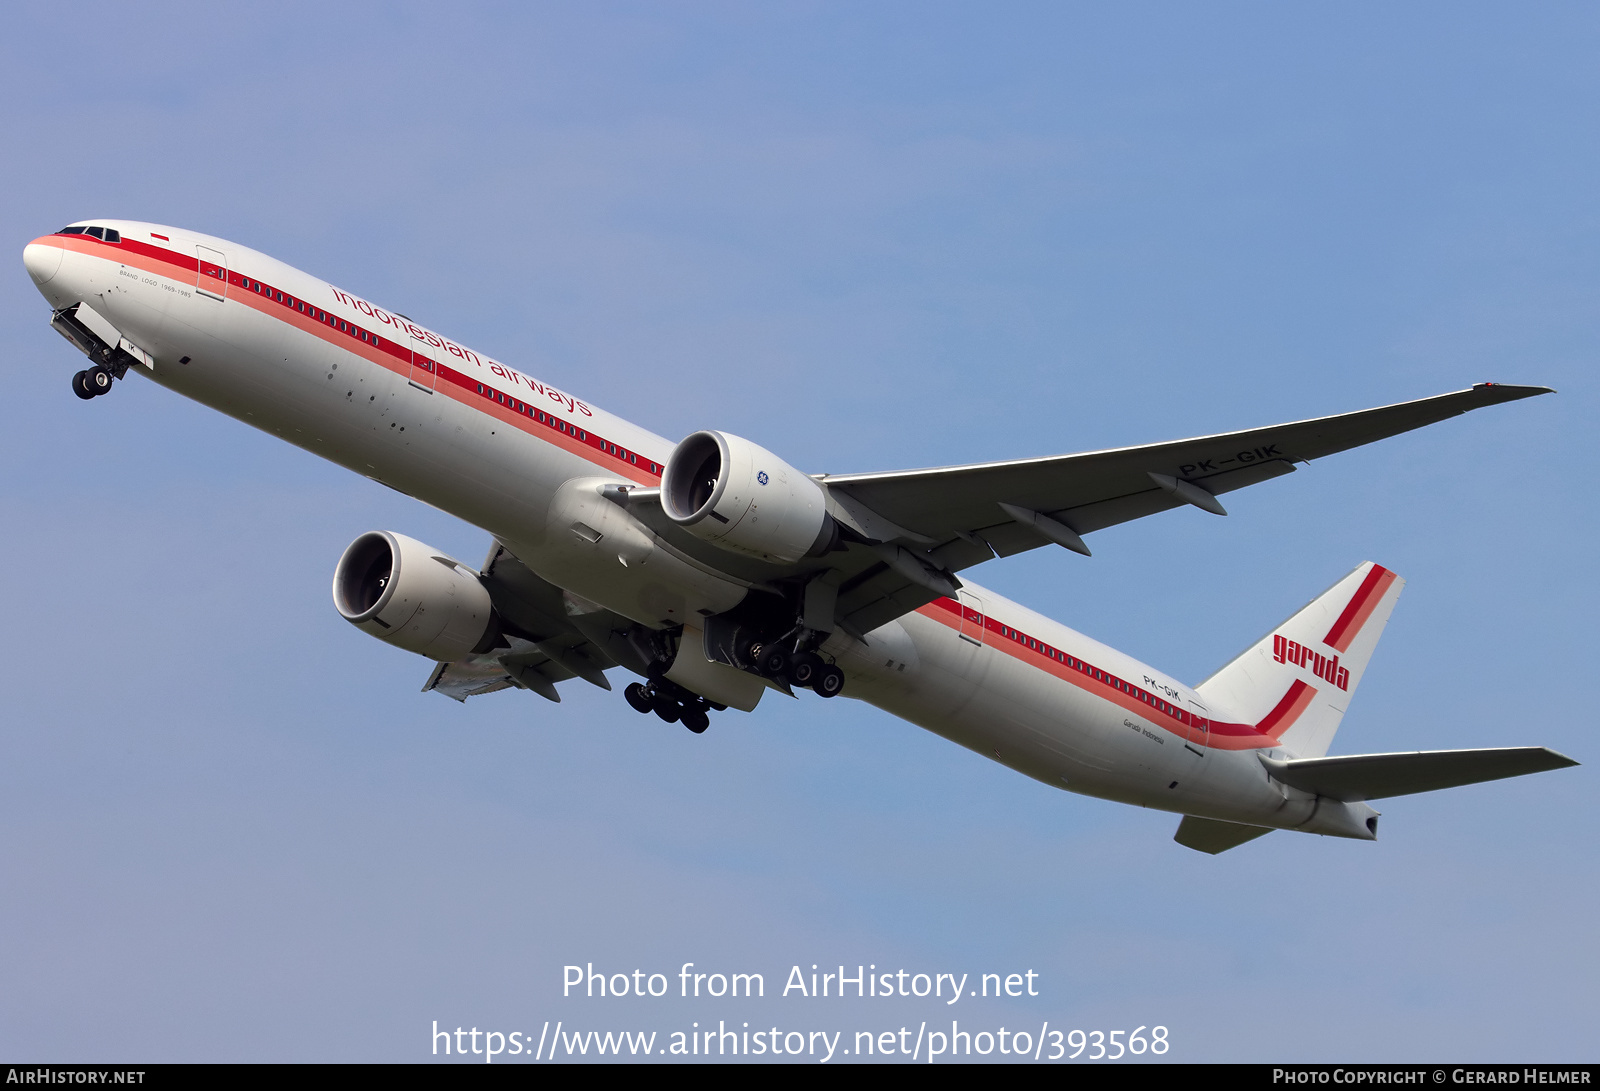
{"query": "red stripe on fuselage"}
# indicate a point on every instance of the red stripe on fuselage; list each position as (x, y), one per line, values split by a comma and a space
(392, 355)
(1215, 734)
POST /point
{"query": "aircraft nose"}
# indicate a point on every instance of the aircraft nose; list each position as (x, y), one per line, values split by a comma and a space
(42, 262)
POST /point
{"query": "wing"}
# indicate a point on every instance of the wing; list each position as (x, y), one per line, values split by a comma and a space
(953, 517)
(1098, 489)
(549, 637)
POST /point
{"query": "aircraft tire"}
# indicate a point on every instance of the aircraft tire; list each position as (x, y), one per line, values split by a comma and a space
(97, 380)
(830, 681)
(774, 663)
(696, 720)
(638, 698)
(804, 668)
(80, 385)
(668, 709)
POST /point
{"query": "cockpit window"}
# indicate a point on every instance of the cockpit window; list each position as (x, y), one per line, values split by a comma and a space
(106, 233)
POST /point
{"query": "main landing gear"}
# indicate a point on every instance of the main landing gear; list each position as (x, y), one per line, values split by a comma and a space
(806, 670)
(92, 382)
(672, 703)
(788, 661)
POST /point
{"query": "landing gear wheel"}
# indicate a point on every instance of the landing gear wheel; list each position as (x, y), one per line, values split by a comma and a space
(830, 681)
(696, 720)
(773, 662)
(97, 380)
(638, 698)
(668, 709)
(80, 385)
(804, 668)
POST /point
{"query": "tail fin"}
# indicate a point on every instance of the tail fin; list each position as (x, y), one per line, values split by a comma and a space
(1297, 681)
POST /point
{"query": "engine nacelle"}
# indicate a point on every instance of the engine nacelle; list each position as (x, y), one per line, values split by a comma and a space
(414, 597)
(742, 497)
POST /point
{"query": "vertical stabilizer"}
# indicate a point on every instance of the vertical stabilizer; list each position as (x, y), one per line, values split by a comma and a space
(1296, 682)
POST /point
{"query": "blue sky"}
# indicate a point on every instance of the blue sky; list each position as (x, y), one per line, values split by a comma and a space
(867, 236)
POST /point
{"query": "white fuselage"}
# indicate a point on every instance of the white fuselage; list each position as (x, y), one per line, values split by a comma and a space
(374, 391)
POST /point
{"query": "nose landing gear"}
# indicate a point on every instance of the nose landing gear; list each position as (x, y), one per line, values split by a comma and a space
(91, 383)
(110, 354)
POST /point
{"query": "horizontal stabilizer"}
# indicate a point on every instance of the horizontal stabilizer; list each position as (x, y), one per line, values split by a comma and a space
(1379, 776)
(1211, 836)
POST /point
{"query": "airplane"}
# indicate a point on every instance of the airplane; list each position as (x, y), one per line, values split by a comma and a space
(716, 572)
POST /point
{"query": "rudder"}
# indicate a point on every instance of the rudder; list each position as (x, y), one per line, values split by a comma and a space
(1296, 682)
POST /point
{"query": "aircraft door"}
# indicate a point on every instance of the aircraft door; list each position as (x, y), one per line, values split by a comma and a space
(424, 370)
(1199, 738)
(971, 616)
(211, 277)
(962, 658)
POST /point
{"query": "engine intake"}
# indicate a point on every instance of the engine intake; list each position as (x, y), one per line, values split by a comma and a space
(732, 493)
(414, 597)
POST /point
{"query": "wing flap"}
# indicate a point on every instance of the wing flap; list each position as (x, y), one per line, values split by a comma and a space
(461, 680)
(543, 643)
